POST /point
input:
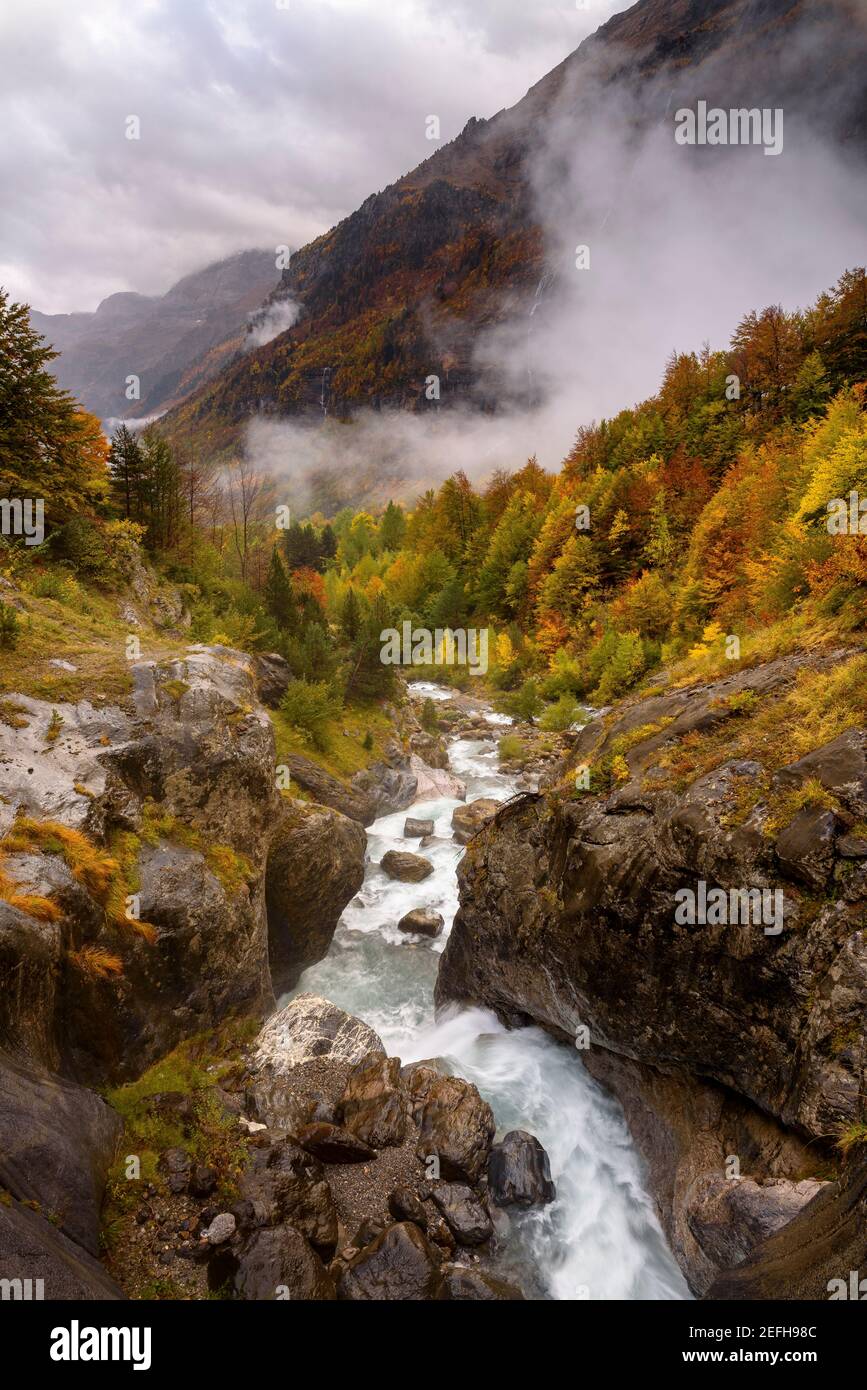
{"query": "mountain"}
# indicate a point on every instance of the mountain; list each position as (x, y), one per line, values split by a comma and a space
(172, 342)
(408, 285)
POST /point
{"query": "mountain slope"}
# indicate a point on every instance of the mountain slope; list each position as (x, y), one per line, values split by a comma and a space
(405, 286)
(173, 342)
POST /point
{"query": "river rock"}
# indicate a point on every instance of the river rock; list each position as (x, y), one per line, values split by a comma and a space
(405, 1205)
(401, 1264)
(435, 784)
(417, 829)
(456, 1125)
(373, 1105)
(468, 820)
(408, 868)
(287, 1184)
(280, 1263)
(462, 1285)
(463, 1213)
(422, 921)
(430, 749)
(519, 1173)
(315, 867)
(389, 785)
(309, 1028)
(332, 1144)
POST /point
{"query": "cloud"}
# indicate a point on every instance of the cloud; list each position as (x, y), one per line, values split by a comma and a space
(260, 125)
(267, 324)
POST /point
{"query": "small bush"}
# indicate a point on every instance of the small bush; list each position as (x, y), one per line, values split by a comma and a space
(524, 704)
(10, 627)
(309, 706)
(511, 748)
(561, 715)
(429, 720)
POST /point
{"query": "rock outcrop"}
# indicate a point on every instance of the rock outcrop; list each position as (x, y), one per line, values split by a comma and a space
(315, 867)
(738, 1037)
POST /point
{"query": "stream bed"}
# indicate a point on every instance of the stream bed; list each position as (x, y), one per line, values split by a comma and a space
(600, 1238)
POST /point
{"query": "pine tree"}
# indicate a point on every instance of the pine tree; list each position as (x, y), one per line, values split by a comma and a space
(126, 466)
(392, 527)
(350, 616)
(279, 598)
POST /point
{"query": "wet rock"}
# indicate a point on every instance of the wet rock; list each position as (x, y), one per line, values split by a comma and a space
(389, 785)
(468, 820)
(404, 1205)
(422, 921)
(463, 1213)
(805, 848)
(315, 867)
(280, 1264)
(729, 1219)
(373, 1105)
(461, 1285)
(401, 1264)
(456, 1125)
(408, 868)
(332, 1144)
(417, 829)
(288, 1184)
(519, 1173)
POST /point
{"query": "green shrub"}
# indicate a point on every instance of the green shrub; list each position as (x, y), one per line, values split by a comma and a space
(511, 748)
(10, 627)
(562, 715)
(309, 706)
(524, 704)
(429, 719)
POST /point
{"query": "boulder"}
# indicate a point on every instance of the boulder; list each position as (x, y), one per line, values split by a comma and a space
(373, 1105)
(331, 1144)
(417, 829)
(422, 921)
(436, 784)
(519, 1173)
(456, 1125)
(177, 1166)
(272, 676)
(408, 868)
(329, 791)
(430, 749)
(730, 1218)
(278, 1263)
(405, 1205)
(468, 820)
(463, 1213)
(315, 867)
(310, 1028)
(400, 1264)
(389, 787)
(285, 1183)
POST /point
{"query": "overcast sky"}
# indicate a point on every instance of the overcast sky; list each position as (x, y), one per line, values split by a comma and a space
(263, 122)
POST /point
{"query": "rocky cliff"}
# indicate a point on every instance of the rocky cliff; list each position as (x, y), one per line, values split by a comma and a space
(735, 1038)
